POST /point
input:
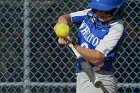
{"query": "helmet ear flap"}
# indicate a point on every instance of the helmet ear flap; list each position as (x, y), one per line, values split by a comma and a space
(118, 12)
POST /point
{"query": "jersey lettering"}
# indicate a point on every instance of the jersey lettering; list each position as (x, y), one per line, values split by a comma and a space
(88, 36)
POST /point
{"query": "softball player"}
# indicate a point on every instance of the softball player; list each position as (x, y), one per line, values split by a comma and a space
(99, 37)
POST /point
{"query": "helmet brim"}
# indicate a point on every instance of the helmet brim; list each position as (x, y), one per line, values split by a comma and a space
(102, 7)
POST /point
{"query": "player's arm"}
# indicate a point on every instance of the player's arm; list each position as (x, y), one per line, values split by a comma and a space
(93, 56)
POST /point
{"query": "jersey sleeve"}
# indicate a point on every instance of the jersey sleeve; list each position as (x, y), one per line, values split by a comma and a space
(78, 17)
(111, 40)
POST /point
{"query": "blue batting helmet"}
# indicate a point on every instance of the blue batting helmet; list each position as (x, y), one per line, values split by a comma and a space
(117, 6)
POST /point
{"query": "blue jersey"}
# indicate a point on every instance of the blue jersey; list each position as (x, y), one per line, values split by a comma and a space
(93, 34)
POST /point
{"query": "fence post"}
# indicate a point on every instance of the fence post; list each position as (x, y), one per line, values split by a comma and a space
(26, 46)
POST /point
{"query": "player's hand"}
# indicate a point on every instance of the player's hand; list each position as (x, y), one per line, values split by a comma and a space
(64, 41)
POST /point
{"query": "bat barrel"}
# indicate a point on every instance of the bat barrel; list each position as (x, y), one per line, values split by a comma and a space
(87, 68)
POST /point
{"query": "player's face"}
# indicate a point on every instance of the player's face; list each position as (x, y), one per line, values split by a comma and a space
(103, 16)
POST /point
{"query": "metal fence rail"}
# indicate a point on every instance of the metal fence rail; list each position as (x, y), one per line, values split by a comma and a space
(31, 60)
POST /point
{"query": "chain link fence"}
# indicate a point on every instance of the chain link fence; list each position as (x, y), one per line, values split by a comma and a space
(31, 60)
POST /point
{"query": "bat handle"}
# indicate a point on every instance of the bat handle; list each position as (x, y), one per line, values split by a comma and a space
(74, 50)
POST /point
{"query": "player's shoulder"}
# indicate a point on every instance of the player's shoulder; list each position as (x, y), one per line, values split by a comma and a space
(117, 25)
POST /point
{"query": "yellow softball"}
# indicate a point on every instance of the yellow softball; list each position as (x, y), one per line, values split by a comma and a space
(62, 30)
